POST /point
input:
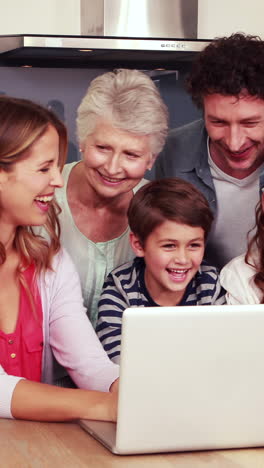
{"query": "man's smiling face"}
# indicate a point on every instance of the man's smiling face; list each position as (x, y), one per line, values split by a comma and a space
(235, 126)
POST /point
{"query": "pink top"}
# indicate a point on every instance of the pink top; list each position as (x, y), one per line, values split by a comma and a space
(67, 334)
(21, 351)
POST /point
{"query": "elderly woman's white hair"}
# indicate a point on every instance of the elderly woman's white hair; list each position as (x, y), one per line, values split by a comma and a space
(130, 101)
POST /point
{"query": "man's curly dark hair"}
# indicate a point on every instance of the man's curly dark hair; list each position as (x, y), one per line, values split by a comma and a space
(228, 65)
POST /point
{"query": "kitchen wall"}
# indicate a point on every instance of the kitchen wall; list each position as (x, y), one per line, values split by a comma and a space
(40, 17)
(59, 89)
(223, 17)
(62, 89)
(215, 17)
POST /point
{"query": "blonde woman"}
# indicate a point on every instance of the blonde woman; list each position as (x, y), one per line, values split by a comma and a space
(41, 309)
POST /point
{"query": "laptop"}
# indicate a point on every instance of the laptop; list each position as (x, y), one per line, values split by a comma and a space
(191, 378)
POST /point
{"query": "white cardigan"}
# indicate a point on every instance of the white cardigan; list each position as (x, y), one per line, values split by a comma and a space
(237, 277)
(67, 333)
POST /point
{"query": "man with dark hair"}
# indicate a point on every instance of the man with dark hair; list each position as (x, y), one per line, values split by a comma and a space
(223, 153)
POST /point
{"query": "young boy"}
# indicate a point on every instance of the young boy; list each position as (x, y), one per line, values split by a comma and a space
(169, 221)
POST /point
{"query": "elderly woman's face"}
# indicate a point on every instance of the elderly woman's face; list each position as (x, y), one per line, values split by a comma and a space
(115, 160)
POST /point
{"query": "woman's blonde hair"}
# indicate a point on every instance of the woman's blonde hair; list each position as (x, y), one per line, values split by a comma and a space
(22, 123)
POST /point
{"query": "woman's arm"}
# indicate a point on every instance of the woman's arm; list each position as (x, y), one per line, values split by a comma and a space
(42, 402)
(72, 338)
(23, 399)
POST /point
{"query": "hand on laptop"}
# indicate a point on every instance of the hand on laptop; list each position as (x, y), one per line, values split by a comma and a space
(114, 386)
(114, 392)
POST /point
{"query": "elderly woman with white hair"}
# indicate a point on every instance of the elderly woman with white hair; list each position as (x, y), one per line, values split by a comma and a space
(122, 124)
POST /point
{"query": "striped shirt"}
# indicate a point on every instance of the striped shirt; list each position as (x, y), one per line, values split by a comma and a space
(125, 287)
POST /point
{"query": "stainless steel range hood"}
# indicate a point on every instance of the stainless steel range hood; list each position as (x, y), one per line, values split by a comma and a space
(139, 18)
(116, 33)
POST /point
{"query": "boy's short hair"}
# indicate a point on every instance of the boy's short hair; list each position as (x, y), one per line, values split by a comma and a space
(170, 199)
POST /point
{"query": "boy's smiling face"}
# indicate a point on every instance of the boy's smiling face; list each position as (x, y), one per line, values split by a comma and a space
(173, 253)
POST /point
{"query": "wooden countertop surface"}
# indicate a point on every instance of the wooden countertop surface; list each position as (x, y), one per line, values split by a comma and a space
(25, 444)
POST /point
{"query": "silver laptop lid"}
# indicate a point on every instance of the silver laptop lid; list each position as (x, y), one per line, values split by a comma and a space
(191, 378)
